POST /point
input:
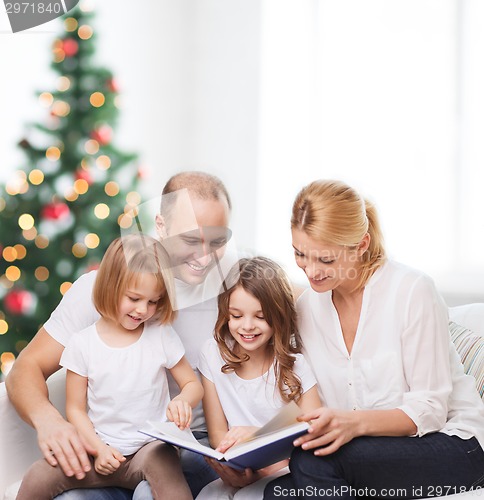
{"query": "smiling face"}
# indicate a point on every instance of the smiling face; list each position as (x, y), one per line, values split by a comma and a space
(138, 303)
(192, 234)
(247, 324)
(327, 266)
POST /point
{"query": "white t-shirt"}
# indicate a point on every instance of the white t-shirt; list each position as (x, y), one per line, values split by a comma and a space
(248, 402)
(194, 325)
(402, 356)
(126, 385)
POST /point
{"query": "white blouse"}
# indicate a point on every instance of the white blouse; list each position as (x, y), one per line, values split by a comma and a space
(402, 356)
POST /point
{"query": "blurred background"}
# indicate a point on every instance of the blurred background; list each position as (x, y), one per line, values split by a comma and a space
(272, 94)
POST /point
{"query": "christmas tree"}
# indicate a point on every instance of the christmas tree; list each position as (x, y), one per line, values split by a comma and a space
(59, 212)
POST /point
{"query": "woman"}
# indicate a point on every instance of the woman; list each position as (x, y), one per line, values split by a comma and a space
(400, 418)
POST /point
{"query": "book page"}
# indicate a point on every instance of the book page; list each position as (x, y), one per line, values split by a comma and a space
(171, 429)
(287, 416)
(170, 433)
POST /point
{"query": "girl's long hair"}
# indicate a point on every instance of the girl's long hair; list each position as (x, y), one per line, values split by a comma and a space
(267, 282)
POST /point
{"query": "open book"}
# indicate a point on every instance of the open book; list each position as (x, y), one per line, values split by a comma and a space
(270, 444)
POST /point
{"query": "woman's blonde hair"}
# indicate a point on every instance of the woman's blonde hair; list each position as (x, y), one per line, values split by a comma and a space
(332, 212)
(267, 282)
(125, 260)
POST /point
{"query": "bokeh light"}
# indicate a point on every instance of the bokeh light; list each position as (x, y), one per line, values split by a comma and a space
(29, 234)
(85, 32)
(70, 195)
(103, 162)
(13, 273)
(41, 241)
(97, 99)
(133, 198)
(111, 188)
(64, 287)
(63, 83)
(26, 221)
(53, 153)
(61, 108)
(91, 240)
(36, 176)
(81, 186)
(41, 273)
(3, 327)
(9, 254)
(46, 99)
(79, 250)
(21, 251)
(91, 147)
(101, 211)
(125, 221)
(70, 24)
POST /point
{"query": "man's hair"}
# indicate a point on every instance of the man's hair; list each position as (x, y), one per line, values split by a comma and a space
(204, 186)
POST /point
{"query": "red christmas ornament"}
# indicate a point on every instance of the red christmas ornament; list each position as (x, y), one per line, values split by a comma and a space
(103, 134)
(85, 175)
(55, 211)
(142, 172)
(70, 47)
(112, 85)
(92, 267)
(18, 301)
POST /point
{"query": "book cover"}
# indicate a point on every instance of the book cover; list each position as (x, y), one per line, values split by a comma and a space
(270, 444)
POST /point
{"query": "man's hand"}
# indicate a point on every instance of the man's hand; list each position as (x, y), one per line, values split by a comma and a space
(108, 460)
(61, 445)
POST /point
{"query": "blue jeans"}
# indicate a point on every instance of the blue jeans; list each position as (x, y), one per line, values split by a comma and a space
(385, 467)
(196, 470)
(197, 473)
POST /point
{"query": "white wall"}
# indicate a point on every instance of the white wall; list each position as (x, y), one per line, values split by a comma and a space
(270, 94)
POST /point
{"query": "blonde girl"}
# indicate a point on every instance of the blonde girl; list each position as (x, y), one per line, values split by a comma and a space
(116, 368)
(252, 367)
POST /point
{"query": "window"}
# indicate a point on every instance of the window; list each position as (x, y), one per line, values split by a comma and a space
(386, 96)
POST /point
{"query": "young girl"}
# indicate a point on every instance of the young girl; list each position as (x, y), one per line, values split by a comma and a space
(116, 368)
(252, 367)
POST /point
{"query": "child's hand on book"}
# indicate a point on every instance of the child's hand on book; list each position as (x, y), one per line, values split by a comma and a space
(108, 460)
(179, 412)
(236, 435)
(233, 477)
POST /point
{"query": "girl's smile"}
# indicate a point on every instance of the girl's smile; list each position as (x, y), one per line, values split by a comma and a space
(247, 324)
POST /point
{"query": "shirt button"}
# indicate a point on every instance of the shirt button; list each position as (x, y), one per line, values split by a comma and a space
(354, 407)
(349, 383)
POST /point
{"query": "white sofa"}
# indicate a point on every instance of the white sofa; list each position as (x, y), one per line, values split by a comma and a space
(18, 443)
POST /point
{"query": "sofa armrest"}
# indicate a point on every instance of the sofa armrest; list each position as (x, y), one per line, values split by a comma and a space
(19, 448)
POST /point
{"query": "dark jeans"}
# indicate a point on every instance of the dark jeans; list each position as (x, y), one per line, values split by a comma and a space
(385, 467)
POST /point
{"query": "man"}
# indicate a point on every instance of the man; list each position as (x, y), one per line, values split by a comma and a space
(193, 221)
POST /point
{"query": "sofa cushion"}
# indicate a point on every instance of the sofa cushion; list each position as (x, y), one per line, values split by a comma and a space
(470, 347)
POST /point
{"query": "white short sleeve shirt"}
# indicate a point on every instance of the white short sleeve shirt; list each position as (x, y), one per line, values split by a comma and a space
(194, 325)
(126, 386)
(248, 402)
